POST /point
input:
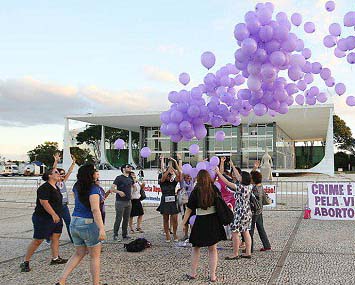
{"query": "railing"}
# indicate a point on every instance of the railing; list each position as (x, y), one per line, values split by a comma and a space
(290, 195)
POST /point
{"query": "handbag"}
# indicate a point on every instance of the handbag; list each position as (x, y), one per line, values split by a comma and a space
(143, 195)
(224, 213)
(255, 206)
(266, 199)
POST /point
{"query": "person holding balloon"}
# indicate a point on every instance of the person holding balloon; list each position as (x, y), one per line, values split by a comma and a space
(168, 206)
(207, 230)
(242, 212)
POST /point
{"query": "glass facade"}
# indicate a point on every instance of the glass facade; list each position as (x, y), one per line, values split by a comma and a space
(158, 144)
(243, 144)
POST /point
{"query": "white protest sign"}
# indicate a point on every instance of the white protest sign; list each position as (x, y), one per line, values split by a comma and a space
(331, 200)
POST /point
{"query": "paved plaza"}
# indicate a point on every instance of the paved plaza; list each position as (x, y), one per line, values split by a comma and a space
(304, 252)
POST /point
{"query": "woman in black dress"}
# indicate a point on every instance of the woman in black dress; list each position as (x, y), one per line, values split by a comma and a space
(207, 230)
(168, 206)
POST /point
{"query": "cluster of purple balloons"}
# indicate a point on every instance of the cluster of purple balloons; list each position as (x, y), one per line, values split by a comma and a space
(206, 165)
(272, 62)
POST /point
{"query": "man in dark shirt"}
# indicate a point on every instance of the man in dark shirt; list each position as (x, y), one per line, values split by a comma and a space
(122, 186)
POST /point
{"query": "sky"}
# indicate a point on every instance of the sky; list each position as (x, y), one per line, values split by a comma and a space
(60, 58)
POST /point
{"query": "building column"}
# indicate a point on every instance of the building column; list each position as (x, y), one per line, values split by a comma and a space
(103, 159)
(326, 165)
(130, 157)
(66, 146)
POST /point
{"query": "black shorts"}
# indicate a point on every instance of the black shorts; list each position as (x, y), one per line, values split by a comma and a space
(44, 227)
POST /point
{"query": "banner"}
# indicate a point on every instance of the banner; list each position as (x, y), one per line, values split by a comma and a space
(332, 201)
(153, 193)
(270, 190)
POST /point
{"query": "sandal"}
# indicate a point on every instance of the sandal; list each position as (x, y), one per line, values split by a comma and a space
(139, 230)
(246, 256)
(132, 232)
(189, 277)
(232, 257)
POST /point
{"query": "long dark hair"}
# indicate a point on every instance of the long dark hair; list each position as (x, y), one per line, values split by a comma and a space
(205, 189)
(84, 182)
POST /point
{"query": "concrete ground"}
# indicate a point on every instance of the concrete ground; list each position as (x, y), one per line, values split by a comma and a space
(304, 252)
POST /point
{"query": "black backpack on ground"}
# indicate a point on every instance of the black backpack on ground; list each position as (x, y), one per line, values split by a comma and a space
(137, 245)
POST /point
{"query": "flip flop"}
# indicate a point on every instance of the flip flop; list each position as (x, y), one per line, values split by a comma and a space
(189, 277)
(232, 257)
(246, 256)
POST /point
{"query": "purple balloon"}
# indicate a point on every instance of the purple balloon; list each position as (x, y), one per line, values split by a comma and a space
(268, 71)
(254, 83)
(295, 73)
(299, 99)
(329, 41)
(349, 19)
(184, 78)
(330, 82)
(185, 126)
(241, 32)
(335, 29)
(266, 33)
(301, 85)
(186, 169)
(214, 161)
(172, 128)
(194, 149)
(325, 73)
(350, 42)
(307, 68)
(342, 45)
(193, 111)
(119, 144)
(283, 108)
(313, 91)
(176, 116)
(201, 166)
(350, 101)
(339, 53)
(163, 129)
(297, 59)
(200, 131)
(299, 45)
(193, 217)
(145, 152)
(260, 109)
(351, 58)
(330, 6)
(296, 19)
(208, 59)
(340, 88)
(316, 67)
(220, 136)
(176, 138)
(322, 97)
(277, 58)
(309, 27)
(307, 53)
(308, 78)
(249, 46)
(264, 16)
(311, 100)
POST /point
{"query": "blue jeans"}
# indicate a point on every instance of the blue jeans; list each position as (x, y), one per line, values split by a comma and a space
(66, 218)
(84, 232)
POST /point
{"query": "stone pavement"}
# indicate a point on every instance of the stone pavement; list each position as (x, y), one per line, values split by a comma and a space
(304, 252)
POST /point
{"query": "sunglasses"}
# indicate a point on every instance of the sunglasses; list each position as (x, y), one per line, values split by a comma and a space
(55, 172)
(62, 173)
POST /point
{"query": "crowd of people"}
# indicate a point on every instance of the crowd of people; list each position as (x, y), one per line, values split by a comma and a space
(195, 199)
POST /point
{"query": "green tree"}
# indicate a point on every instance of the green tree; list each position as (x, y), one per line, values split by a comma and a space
(44, 153)
(343, 137)
(92, 136)
(341, 160)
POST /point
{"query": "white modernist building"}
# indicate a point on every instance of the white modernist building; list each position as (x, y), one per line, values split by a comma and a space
(244, 143)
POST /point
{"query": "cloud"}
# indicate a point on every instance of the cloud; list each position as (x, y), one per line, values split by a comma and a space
(171, 49)
(155, 73)
(29, 102)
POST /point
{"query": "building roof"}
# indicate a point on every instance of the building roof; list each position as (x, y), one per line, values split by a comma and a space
(300, 123)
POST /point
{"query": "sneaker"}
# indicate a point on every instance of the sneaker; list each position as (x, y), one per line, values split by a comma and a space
(127, 238)
(25, 266)
(59, 260)
(265, 248)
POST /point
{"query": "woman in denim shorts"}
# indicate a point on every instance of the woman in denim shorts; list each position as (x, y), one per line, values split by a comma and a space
(86, 227)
